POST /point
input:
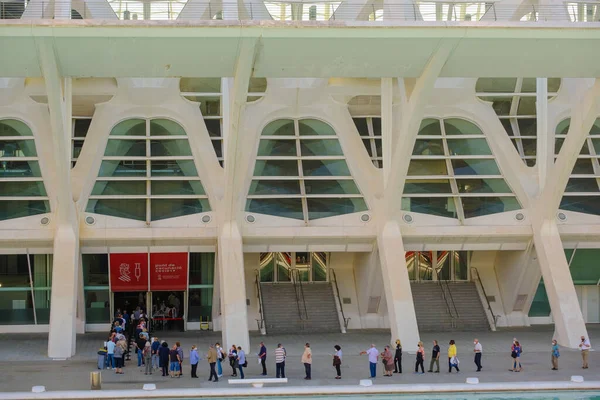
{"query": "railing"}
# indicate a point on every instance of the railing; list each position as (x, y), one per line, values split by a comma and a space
(449, 300)
(260, 322)
(489, 306)
(389, 10)
(299, 291)
(333, 279)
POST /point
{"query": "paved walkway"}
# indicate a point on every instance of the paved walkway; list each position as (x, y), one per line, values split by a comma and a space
(24, 356)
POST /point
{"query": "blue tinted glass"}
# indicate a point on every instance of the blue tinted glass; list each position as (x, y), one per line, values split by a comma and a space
(440, 206)
(331, 187)
(287, 208)
(123, 208)
(321, 147)
(130, 127)
(119, 188)
(276, 168)
(478, 206)
(582, 204)
(122, 168)
(468, 147)
(177, 188)
(173, 168)
(274, 187)
(17, 148)
(325, 168)
(126, 148)
(17, 188)
(171, 208)
(12, 127)
(273, 147)
(170, 148)
(15, 169)
(22, 208)
(475, 167)
(323, 208)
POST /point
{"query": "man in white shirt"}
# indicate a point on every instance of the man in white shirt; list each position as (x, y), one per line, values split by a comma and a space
(477, 350)
(585, 347)
(373, 354)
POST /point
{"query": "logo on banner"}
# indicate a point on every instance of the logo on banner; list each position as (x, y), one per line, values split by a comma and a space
(125, 272)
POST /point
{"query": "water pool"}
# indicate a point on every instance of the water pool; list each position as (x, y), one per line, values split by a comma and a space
(551, 395)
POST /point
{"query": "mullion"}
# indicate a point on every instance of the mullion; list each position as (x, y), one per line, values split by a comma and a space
(453, 185)
(301, 171)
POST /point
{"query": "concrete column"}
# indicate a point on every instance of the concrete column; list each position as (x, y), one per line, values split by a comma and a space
(234, 312)
(569, 325)
(396, 284)
(387, 116)
(545, 137)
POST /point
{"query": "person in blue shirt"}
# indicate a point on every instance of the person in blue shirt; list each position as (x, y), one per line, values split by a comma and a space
(262, 354)
(194, 359)
(126, 317)
(555, 355)
(155, 357)
(241, 356)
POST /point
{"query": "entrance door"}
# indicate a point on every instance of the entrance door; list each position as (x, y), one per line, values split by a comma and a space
(128, 301)
(168, 310)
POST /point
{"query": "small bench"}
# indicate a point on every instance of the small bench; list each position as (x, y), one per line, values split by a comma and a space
(257, 383)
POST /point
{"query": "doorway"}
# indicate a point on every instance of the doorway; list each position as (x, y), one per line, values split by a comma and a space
(128, 301)
(168, 310)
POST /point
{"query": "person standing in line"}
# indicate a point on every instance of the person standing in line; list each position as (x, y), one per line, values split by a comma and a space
(420, 358)
(452, 353)
(155, 347)
(180, 353)
(388, 361)
(262, 354)
(435, 357)
(233, 359)
(585, 347)
(147, 354)
(194, 359)
(337, 361)
(477, 350)
(555, 355)
(307, 361)
(398, 358)
(373, 354)
(118, 354)
(220, 357)
(163, 358)
(140, 343)
(110, 354)
(211, 357)
(175, 362)
(241, 359)
(280, 361)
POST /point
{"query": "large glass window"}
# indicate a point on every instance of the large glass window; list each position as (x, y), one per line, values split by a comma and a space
(437, 265)
(79, 127)
(201, 278)
(369, 129)
(582, 193)
(514, 101)
(22, 190)
(148, 173)
(301, 173)
(278, 267)
(453, 173)
(96, 288)
(208, 93)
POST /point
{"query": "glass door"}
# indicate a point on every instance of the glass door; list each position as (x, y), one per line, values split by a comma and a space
(277, 267)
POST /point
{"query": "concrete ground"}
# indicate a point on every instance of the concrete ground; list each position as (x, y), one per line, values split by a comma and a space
(23, 363)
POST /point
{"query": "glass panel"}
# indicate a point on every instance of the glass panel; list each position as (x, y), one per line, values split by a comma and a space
(455, 126)
(595, 130)
(177, 188)
(200, 305)
(218, 146)
(284, 264)
(321, 147)
(173, 168)
(130, 127)
(97, 306)
(210, 106)
(425, 266)
(287, 208)
(14, 271)
(313, 127)
(478, 206)
(213, 126)
(303, 266)
(428, 147)
(17, 148)
(276, 168)
(267, 267)
(527, 126)
(475, 167)
(257, 85)
(430, 126)
(165, 127)
(12, 127)
(482, 186)
(23, 208)
(122, 168)
(501, 105)
(529, 147)
(41, 270)
(132, 209)
(319, 267)
(170, 148)
(361, 126)
(280, 127)
(325, 168)
(112, 188)
(526, 106)
(529, 85)
(582, 204)
(553, 84)
(563, 127)
(411, 260)
(171, 208)
(331, 187)
(443, 265)
(427, 167)
(367, 144)
(540, 306)
(376, 126)
(460, 265)
(469, 147)
(270, 147)
(507, 126)
(81, 127)
(440, 206)
(496, 85)
(323, 208)
(427, 186)
(582, 185)
(202, 268)
(42, 305)
(126, 148)
(77, 146)
(95, 269)
(14, 169)
(274, 187)
(200, 85)
(22, 189)
(583, 166)
(16, 308)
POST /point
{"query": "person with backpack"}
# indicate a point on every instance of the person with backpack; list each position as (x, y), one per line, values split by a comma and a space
(220, 358)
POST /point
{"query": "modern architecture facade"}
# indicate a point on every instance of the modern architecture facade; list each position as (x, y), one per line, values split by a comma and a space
(190, 153)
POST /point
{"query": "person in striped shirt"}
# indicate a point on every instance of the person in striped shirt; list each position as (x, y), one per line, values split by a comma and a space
(280, 361)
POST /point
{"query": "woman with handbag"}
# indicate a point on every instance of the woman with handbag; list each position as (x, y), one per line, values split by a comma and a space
(337, 361)
(452, 357)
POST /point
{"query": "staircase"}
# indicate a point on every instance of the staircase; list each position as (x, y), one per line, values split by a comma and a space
(281, 308)
(432, 312)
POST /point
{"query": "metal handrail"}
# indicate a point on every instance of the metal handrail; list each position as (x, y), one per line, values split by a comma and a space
(489, 306)
(453, 311)
(299, 291)
(261, 321)
(333, 278)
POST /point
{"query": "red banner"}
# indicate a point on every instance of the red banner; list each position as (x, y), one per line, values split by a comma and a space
(129, 272)
(168, 271)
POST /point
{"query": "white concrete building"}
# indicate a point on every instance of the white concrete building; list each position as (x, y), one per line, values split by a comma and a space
(224, 153)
